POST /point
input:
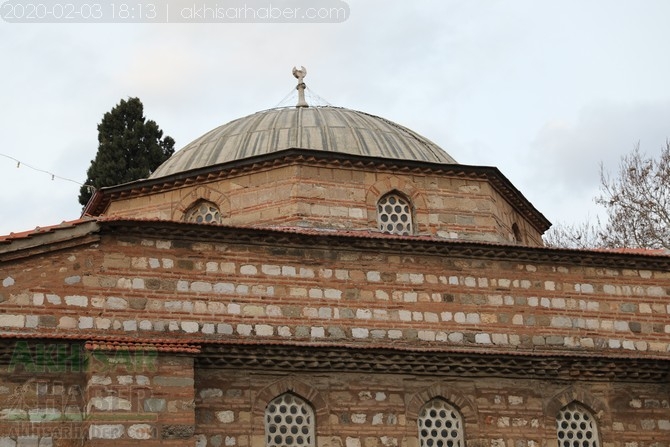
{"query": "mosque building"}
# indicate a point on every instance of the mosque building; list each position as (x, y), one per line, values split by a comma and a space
(315, 276)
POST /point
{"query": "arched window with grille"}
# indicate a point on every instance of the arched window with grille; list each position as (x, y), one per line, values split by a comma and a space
(203, 212)
(576, 427)
(394, 214)
(289, 422)
(440, 425)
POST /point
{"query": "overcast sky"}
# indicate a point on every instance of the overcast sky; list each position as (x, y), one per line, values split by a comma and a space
(543, 90)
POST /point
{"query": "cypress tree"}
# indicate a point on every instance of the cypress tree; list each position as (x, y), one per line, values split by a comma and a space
(129, 148)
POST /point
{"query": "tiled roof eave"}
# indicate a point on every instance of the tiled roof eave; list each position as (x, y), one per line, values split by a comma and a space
(48, 239)
(369, 240)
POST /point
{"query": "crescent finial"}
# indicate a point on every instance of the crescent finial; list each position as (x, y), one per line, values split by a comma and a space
(300, 75)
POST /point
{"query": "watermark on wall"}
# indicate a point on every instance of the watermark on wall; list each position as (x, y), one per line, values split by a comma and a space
(174, 11)
(72, 358)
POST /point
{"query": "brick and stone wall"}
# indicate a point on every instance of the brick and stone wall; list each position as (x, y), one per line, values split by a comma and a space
(365, 410)
(260, 287)
(148, 286)
(451, 207)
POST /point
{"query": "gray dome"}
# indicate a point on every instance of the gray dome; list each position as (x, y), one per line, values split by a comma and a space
(319, 128)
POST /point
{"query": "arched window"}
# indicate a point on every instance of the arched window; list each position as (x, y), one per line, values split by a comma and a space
(440, 425)
(394, 214)
(203, 212)
(576, 427)
(289, 421)
(518, 237)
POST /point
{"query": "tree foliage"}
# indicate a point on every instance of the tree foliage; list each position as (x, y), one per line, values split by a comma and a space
(637, 204)
(129, 148)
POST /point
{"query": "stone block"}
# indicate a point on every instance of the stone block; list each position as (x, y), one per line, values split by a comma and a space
(154, 405)
(141, 431)
(106, 431)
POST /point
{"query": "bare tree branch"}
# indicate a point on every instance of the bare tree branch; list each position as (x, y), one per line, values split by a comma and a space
(637, 202)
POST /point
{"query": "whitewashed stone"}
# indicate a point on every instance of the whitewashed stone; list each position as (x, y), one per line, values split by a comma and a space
(272, 270)
(85, 323)
(483, 338)
(113, 302)
(190, 327)
(332, 294)
(76, 300)
(106, 431)
(264, 330)
(109, 403)
(455, 337)
(225, 417)
(244, 329)
(373, 276)
(359, 332)
(140, 431)
(288, 270)
(394, 334)
(358, 418)
(316, 293)
(201, 287)
(38, 299)
(248, 269)
(32, 321)
(426, 335)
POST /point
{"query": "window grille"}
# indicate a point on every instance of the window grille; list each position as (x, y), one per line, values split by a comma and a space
(576, 427)
(440, 425)
(203, 212)
(394, 215)
(289, 421)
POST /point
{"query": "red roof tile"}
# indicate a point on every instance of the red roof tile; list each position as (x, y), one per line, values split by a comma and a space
(43, 230)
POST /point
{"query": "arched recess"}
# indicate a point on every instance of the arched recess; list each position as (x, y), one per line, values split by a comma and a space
(595, 405)
(201, 193)
(465, 406)
(300, 389)
(403, 188)
(517, 235)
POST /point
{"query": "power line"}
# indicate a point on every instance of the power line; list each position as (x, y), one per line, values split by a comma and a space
(19, 163)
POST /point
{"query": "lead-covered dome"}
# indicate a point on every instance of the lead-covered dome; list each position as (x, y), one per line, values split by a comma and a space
(331, 129)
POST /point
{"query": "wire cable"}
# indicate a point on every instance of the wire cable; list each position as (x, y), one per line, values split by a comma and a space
(19, 163)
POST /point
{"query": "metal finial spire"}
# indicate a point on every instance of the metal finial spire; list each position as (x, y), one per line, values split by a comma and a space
(300, 75)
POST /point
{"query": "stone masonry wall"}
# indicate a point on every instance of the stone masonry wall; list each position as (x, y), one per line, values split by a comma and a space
(366, 410)
(344, 198)
(140, 395)
(149, 288)
(42, 395)
(146, 287)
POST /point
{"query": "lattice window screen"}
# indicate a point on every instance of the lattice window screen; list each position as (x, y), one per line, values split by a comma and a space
(289, 421)
(394, 215)
(203, 212)
(440, 425)
(576, 427)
